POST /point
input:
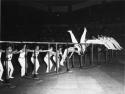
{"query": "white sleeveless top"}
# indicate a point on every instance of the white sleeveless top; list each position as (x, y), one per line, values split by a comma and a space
(36, 53)
(22, 54)
(49, 54)
(9, 56)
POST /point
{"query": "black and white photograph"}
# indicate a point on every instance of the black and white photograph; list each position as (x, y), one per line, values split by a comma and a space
(62, 47)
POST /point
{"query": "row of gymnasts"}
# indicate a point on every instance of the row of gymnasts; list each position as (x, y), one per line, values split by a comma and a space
(79, 48)
(50, 53)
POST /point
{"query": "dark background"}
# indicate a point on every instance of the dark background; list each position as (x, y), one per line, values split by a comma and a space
(25, 23)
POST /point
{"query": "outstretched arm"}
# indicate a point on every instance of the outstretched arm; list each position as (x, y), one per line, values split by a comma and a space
(28, 50)
(2, 50)
(44, 50)
(15, 52)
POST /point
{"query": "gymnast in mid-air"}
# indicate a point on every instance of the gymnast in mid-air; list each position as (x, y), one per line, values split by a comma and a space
(80, 47)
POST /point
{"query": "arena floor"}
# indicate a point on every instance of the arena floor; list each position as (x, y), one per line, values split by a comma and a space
(102, 79)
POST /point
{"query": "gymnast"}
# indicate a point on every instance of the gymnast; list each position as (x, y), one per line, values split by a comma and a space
(1, 66)
(22, 60)
(109, 43)
(34, 58)
(47, 59)
(9, 55)
(57, 57)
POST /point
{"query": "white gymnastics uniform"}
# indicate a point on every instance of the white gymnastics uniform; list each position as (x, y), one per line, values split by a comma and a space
(48, 60)
(81, 47)
(1, 68)
(21, 60)
(57, 61)
(10, 66)
(65, 54)
(36, 61)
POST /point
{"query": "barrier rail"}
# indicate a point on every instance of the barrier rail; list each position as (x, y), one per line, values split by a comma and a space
(81, 65)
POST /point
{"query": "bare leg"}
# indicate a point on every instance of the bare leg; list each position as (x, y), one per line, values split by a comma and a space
(116, 44)
(57, 62)
(22, 64)
(37, 66)
(66, 52)
(104, 43)
(1, 71)
(51, 64)
(63, 57)
(111, 45)
(48, 63)
(75, 41)
(11, 69)
(72, 37)
(83, 37)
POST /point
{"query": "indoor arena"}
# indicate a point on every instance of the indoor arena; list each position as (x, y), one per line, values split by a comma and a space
(62, 47)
